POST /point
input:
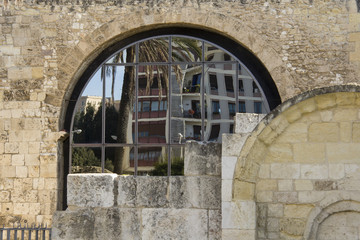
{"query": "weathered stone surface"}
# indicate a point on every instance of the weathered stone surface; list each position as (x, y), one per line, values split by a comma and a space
(91, 190)
(102, 223)
(246, 122)
(174, 223)
(151, 191)
(202, 159)
(126, 191)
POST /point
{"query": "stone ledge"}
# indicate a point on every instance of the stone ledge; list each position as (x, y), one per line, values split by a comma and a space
(91, 190)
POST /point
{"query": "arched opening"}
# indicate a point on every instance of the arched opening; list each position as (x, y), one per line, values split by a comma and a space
(143, 97)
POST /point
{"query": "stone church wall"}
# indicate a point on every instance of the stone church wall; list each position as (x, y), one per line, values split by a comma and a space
(45, 46)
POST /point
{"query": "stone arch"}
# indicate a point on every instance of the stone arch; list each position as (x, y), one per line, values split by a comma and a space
(82, 55)
(279, 119)
(289, 131)
(339, 208)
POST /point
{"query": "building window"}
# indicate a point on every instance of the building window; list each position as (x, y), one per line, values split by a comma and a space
(149, 97)
(242, 107)
(213, 81)
(229, 83)
(232, 109)
(216, 107)
(257, 107)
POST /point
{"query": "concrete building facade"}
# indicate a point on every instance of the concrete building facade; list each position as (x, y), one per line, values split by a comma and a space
(291, 177)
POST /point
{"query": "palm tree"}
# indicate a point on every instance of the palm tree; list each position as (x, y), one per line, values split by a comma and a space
(153, 50)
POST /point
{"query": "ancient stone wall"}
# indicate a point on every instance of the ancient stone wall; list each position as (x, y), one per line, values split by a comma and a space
(300, 166)
(108, 206)
(45, 46)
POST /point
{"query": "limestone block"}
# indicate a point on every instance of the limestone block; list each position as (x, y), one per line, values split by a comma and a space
(239, 215)
(346, 131)
(326, 101)
(324, 132)
(8, 171)
(297, 210)
(309, 152)
(202, 159)
(352, 171)
(126, 191)
(343, 152)
(246, 122)
(151, 191)
(285, 171)
(285, 185)
(336, 171)
(233, 234)
(73, 224)
(243, 190)
(49, 170)
(264, 196)
(33, 171)
(356, 132)
(117, 223)
(303, 185)
(292, 226)
(17, 159)
(313, 171)
(12, 147)
(280, 152)
(195, 192)
(286, 197)
(345, 114)
(266, 185)
(275, 210)
(228, 167)
(233, 143)
(310, 196)
(19, 73)
(214, 224)
(226, 190)
(21, 171)
(264, 171)
(91, 190)
(172, 223)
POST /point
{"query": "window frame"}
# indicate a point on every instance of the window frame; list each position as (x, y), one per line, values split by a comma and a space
(192, 34)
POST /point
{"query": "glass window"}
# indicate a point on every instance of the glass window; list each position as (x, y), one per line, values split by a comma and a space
(257, 107)
(154, 106)
(141, 105)
(242, 107)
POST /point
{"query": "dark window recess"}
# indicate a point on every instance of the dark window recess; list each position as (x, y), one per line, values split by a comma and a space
(257, 107)
(232, 109)
(216, 107)
(241, 85)
(242, 107)
(229, 83)
(231, 130)
(213, 81)
(197, 132)
(215, 130)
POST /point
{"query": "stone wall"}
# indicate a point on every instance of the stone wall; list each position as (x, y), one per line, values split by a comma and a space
(108, 206)
(45, 46)
(300, 166)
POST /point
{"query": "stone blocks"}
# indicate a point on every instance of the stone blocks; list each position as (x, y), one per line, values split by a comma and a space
(91, 190)
(202, 159)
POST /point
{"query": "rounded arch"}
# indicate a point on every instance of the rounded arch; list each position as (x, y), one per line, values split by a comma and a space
(335, 205)
(253, 63)
(84, 54)
(276, 122)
